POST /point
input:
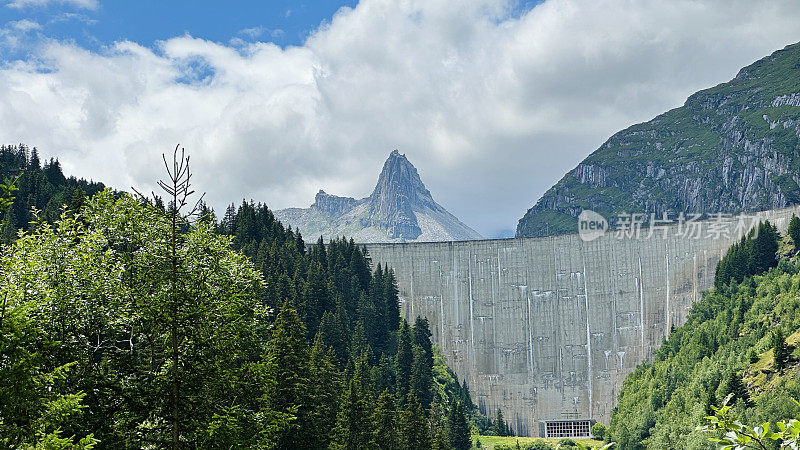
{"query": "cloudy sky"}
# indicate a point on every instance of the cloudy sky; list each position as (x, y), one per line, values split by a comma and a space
(492, 100)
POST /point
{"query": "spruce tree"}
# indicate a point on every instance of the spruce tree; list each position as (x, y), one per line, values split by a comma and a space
(325, 385)
(422, 370)
(763, 248)
(780, 349)
(77, 200)
(353, 425)
(794, 231)
(287, 368)
(734, 385)
(384, 423)
(458, 432)
(413, 427)
(404, 361)
(500, 424)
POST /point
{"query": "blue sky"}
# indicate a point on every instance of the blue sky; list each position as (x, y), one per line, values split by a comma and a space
(492, 100)
(93, 24)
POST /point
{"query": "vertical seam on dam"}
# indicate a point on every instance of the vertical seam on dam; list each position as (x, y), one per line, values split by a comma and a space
(641, 301)
(666, 275)
(588, 338)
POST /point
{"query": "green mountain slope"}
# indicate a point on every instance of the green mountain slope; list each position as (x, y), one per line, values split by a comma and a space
(730, 148)
(724, 348)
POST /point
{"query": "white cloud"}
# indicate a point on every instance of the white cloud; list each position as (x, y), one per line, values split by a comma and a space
(491, 108)
(13, 34)
(22, 4)
(255, 32)
(24, 25)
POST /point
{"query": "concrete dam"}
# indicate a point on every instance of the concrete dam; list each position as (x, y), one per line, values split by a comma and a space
(547, 328)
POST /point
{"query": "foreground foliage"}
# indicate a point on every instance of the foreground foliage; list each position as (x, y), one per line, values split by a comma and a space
(738, 436)
(726, 348)
(127, 325)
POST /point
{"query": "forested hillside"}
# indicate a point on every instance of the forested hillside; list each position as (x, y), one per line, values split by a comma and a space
(125, 324)
(42, 186)
(727, 346)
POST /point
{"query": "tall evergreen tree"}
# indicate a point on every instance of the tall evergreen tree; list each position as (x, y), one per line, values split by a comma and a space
(413, 426)
(422, 369)
(500, 428)
(404, 361)
(287, 369)
(733, 384)
(325, 383)
(794, 230)
(764, 248)
(384, 423)
(458, 432)
(779, 349)
(353, 425)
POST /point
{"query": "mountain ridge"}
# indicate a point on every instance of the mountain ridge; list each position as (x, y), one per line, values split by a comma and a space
(399, 209)
(730, 148)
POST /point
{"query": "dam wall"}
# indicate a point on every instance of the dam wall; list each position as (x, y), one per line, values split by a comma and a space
(547, 328)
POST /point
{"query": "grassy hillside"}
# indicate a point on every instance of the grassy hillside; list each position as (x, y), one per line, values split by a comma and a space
(725, 347)
(731, 148)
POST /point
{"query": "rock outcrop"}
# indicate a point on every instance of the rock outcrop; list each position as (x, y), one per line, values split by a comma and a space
(729, 149)
(399, 209)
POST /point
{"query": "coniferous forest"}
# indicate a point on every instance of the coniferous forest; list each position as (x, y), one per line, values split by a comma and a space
(134, 322)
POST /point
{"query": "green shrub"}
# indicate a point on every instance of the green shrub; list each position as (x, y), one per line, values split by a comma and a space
(599, 431)
(539, 445)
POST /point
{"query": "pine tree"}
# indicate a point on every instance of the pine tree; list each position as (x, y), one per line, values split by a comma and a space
(500, 428)
(9, 226)
(422, 369)
(764, 246)
(316, 298)
(780, 349)
(734, 385)
(794, 231)
(34, 162)
(384, 423)
(413, 427)
(458, 432)
(325, 385)
(287, 369)
(353, 425)
(77, 200)
(404, 361)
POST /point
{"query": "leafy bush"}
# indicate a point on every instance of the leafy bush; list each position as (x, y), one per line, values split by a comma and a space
(538, 445)
(599, 431)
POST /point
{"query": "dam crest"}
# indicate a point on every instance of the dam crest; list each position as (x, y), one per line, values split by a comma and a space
(546, 329)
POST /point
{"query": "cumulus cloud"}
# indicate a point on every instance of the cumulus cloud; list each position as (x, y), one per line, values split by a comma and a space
(22, 4)
(491, 106)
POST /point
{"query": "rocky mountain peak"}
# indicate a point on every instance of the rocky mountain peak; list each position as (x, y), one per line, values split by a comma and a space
(332, 204)
(399, 187)
(400, 208)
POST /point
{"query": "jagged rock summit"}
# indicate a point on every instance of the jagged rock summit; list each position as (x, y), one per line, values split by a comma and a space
(400, 209)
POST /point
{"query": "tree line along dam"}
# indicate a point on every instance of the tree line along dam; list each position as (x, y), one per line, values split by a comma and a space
(546, 329)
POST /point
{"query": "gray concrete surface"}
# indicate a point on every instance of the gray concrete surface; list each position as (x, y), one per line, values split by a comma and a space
(548, 328)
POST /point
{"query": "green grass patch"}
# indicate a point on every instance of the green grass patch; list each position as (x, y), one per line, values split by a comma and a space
(489, 442)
